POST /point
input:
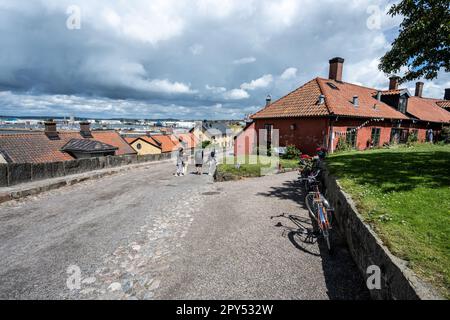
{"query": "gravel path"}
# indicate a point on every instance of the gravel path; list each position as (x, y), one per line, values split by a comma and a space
(145, 234)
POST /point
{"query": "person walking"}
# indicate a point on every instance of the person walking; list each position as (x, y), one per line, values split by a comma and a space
(199, 161)
(212, 162)
(180, 156)
(430, 135)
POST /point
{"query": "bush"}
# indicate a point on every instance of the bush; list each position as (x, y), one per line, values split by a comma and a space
(343, 145)
(445, 135)
(412, 139)
(292, 152)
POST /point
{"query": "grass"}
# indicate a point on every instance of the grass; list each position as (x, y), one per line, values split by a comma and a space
(252, 166)
(404, 193)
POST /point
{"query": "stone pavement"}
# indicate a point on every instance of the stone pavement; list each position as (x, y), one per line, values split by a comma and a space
(145, 234)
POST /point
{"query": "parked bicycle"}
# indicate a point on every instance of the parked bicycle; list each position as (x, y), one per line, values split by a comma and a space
(317, 204)
(320, 209)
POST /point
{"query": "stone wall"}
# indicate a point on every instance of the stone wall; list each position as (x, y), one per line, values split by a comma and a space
(398, 282)
(16, 173)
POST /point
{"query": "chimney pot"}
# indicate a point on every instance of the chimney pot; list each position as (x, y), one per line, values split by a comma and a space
(419, 89)
(336, 68)
(447, 94)
(268, 99)
(379, 96)
(393, 82)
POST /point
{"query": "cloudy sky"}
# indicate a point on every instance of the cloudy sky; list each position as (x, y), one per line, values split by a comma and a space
(186, 59)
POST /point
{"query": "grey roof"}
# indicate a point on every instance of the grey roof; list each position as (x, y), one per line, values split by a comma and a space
(216, 126)
(87, 146)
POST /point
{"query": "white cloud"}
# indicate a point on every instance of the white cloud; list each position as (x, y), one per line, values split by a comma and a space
(289, 73)
(245, 60)
(163, 52)
(166, 86)
(236, 94)
(215, 90)
(262, 82)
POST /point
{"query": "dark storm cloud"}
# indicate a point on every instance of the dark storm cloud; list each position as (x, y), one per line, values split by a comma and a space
(186, 59)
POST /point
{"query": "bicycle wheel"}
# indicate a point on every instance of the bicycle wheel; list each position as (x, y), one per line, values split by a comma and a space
(311, 204)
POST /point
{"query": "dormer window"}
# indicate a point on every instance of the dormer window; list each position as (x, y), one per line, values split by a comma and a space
(402, 104)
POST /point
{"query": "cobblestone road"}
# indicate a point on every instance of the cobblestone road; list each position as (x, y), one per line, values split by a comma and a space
(145, 234)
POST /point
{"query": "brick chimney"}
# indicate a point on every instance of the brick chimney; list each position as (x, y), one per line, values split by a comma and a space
(85, 129)
(336, 67)
(447, 94)
(50, 129)
(419, 89)
(393, 82)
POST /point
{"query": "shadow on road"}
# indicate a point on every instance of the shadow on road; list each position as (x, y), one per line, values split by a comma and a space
(343, 280)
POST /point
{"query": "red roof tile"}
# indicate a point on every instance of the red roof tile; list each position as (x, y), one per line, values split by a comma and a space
(340, 101)
(36, 147)
(146, 139)
(168, 143)
(304, 102)
(427, 109)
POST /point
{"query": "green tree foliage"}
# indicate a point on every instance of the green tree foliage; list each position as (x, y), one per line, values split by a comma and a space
(292, 152)
(423, 45)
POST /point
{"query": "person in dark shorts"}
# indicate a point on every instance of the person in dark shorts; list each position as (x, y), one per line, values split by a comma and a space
(199, 161)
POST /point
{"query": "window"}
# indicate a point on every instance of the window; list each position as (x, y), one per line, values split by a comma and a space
(399, 135)
(332, 86)
(139, 146)
(376, 136)
(351, 137)
(402, 104)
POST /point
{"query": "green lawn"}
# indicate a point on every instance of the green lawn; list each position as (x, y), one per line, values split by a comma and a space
(252, 166)
(404, 193)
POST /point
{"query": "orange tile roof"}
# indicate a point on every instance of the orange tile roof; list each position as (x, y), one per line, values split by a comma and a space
(390, 92)
(36, 147)
(189, 139)
(340, 102)
(427, 109)
(444, 104)
(147, 139)
(304, 102)
(130, 140)
(168, 143)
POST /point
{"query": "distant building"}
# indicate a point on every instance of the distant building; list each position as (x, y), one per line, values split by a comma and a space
(52, 146)
(144, 145)
(216, 132)
(162, 143)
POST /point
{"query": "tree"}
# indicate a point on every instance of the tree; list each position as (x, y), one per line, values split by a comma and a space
(423, 45)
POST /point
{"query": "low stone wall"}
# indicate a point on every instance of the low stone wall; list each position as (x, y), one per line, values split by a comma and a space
(17, 173)
(398, 282)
